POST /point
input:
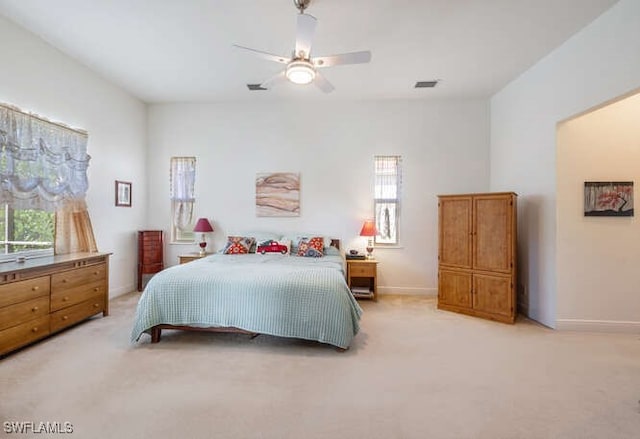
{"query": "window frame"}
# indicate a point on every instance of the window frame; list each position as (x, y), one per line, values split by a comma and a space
(6, 241)
(385, 198)
(178, 235)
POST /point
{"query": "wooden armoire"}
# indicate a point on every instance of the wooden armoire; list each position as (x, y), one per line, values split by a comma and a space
(477, 255)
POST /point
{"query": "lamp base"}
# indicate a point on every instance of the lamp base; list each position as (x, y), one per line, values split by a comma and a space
(203, 246)
(370, 249)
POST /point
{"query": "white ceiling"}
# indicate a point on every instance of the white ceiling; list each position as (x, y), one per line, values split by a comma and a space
(181, 51)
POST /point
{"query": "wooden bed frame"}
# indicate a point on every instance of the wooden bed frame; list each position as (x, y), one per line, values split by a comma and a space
(156, 331)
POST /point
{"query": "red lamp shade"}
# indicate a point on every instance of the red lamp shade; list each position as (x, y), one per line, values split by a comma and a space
(203, 225)
(368, 229)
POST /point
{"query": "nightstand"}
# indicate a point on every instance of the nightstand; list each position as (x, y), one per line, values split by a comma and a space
(191, 257)
(362, 278)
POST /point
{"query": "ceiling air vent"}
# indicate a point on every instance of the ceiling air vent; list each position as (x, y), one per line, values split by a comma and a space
(255, 87)
(426, 84)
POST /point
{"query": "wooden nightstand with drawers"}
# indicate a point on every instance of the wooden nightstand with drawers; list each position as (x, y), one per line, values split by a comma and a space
(362, 278)
(183, 259)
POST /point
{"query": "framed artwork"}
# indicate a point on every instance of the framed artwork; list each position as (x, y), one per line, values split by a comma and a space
(278, 194)
(608, 198)
(123, 193)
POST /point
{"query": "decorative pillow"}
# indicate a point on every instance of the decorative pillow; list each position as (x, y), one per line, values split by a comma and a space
(238, 245)
(272, 246)
(261, 236)
(311, 247)
(286, 242)
(296, 237)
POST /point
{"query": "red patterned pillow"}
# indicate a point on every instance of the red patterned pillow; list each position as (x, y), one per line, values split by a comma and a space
(238, 245)
(311, 247)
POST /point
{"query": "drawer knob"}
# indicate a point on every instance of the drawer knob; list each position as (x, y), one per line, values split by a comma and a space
(65, 298)
(34, 329)
(95, 272)
(34, 309)
(36, 288)
(96, 289)
(95, 305)
(64, 281)
(65, 317)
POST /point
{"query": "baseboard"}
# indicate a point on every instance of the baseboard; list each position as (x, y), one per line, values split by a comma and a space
(597, 325)
(408, 291)
(115, 292)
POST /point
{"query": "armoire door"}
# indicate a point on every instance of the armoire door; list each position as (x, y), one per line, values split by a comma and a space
(493, 295)
(492, 233)
(454, 288)
(455, 227)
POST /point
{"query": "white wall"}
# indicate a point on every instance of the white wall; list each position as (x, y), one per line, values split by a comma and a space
(38, 78)
(444, 146)
(597, 256)
(597, 64)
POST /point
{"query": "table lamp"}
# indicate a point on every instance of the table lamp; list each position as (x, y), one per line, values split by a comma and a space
(203, 226)
(369, 230)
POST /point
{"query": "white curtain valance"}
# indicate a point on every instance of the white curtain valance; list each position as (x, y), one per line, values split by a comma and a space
(42, 164)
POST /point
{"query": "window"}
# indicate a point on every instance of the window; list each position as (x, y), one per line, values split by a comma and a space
(43, 183)
(387, 198)
(182, 181)
(25, 232)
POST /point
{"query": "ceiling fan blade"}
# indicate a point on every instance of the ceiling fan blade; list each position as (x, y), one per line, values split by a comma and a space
(265, 55)
(322, 83)
(343, 58)
(305, 31)
(274, 80)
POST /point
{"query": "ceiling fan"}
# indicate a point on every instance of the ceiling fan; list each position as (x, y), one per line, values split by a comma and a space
(301, 68)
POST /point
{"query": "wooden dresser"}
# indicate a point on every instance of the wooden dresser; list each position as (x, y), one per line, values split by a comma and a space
(477, 255)
(44, 295)
(150, 253)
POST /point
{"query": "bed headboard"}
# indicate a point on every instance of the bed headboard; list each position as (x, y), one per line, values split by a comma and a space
(335, 243)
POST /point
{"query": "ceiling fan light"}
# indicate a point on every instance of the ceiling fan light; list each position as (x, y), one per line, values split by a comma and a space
(300, 72)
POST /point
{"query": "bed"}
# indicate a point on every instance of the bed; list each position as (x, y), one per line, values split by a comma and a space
(275, 294)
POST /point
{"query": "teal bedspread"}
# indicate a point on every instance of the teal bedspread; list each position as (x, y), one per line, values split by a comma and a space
(282, 295)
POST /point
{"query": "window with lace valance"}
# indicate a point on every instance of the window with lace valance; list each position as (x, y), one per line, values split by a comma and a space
(43, 174)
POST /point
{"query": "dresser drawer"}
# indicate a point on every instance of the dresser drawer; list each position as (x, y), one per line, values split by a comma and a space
(362, 270)
(23, 312)
(23, 334)
(16, 292)
(80, 276)
(71, 296)
(152, 256)
(76, 313)
(151, 235)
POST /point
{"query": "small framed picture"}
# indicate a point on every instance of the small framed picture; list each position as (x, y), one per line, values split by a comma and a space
(608, 198)
(123, 193)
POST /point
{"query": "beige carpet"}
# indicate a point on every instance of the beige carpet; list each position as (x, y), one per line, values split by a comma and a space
(413, 372)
